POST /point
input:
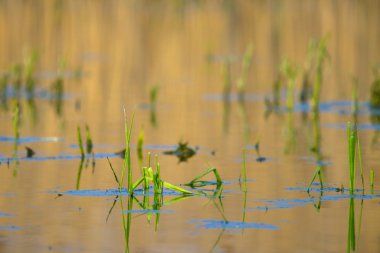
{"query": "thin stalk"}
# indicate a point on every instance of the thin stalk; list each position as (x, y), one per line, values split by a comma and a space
(360, 162)
(351, 244)
(127, 156)
(371, 179)
(352, 139)
(244, 172)
(80, 144)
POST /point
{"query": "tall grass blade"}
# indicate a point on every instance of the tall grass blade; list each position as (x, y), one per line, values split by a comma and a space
(80, 144)
(114, 173)
(351, 243)
(360, 162)
(127, 156)
(371, 180)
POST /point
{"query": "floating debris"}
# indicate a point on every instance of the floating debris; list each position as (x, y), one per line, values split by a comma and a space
(29, 152)
(183, 152)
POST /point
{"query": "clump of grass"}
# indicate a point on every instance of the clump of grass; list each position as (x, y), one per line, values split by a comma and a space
(321, 55)
(246, 64)
(353, 148)
(149, 176)
(290, 71)
(371, 180)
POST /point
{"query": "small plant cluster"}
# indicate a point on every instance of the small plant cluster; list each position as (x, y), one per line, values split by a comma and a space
(354, 153)
(151, 176)
(312, 72)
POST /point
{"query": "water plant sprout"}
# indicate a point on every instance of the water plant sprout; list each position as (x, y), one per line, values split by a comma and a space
(321, 55)
(246, 64)
(291, 73)
(371, 179)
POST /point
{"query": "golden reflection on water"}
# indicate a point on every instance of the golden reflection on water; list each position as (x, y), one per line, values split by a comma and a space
(116, 52)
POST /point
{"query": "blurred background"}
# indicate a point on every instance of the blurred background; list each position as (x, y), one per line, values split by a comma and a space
(176, 64)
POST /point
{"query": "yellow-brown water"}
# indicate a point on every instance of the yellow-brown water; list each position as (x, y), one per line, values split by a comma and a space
(122, 49)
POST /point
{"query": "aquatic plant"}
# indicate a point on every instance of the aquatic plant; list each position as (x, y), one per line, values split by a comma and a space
(246, 64)
(351, 241)
(140, 146)
(318, 172)
(321, 55)
(197, 182)
(351, 156)
(57, 87)
(3, 91)
(79, 174)
(290, 71)
(89, 143)
(80, 143)
(153, 94)
(306, 72)
(243, 173)
(16, 75)
(29, 68)
(360, 161)
(371, 180)
(355, 98)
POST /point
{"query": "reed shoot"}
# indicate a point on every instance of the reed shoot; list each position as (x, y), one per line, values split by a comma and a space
(290, 71)
(360, 161)
(80, 144)
(196, 182)
(352, 139)
(321, 55)
(127, 157)
(89, 143)
(140, 146)
(246, 64)
(318, 172)
(244, 172)
(351, 241)
(371, 180)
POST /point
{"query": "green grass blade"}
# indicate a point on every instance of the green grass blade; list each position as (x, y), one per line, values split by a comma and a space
(176, 188)
(316, 173)
(371, 180)
(360, 162)
(80, 144)
(114, 173)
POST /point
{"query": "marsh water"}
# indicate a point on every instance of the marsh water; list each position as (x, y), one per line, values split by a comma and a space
(169, 63)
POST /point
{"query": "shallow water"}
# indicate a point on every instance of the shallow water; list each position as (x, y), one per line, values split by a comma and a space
(115, 52)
